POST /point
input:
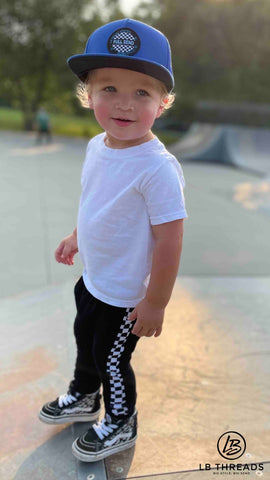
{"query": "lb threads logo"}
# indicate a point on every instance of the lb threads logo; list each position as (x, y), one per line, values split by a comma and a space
(124, 42)
(231, 445)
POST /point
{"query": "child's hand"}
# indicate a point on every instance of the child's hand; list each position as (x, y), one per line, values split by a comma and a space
(66, 250)
(149, 319)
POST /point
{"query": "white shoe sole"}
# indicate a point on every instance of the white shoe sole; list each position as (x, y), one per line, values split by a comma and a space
(88, 417)
(94, 457)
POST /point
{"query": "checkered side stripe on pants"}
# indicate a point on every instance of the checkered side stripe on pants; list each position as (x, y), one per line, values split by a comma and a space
(117, 397)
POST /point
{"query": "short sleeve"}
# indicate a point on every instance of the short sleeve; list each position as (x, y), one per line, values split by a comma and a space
(163, 194)
(90, 145)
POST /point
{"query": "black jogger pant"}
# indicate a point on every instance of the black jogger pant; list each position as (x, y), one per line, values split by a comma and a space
(104, 347)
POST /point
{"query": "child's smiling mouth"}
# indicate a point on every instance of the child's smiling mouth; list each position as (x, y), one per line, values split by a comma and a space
(122, 122)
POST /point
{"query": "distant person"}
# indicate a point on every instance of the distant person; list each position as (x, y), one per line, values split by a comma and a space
(130, 228)
(43, 126)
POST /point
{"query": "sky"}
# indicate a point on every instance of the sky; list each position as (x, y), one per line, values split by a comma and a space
(128, 5)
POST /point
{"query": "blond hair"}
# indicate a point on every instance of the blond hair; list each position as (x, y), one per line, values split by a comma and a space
(83, 89)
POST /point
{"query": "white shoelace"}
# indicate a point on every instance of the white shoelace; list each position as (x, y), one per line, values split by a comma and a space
(103, 428)
(66, 399)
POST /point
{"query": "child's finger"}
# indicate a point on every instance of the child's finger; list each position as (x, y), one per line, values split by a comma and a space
(137, 329)
(150, 332)
(59, 252)
(158, 332)
(66, 252)
(70, 260)
(132, 316)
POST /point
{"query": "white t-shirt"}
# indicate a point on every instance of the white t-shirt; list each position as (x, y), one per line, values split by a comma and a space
(124, 191)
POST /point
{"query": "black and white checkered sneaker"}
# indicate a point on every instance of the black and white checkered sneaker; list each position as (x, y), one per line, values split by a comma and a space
(105, 438)
(71, 407)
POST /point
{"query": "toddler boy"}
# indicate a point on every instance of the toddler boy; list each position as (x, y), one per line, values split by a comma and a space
(129, 231)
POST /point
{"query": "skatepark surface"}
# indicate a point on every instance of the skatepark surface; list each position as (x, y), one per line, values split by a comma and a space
(244, 147)
(208, 372)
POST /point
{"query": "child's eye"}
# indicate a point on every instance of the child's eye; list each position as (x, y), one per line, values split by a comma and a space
(142, 93)
(110, 89)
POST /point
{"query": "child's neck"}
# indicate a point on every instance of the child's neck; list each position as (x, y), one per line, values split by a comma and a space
(112, 142)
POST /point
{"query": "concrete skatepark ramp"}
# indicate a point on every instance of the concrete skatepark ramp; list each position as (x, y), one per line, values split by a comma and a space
(244, 147)
(213, 378)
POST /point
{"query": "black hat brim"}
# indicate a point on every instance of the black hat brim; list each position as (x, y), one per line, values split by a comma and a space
(81, 64)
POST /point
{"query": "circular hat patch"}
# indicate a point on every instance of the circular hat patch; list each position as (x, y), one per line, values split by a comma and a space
(124, 42)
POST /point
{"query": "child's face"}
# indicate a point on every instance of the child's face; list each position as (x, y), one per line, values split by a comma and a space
(125, 104)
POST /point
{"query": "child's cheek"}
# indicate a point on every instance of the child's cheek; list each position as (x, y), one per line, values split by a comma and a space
(148, 117)
(101, 113)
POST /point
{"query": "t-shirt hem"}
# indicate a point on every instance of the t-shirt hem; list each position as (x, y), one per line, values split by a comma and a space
(168, 218)
(115, 302)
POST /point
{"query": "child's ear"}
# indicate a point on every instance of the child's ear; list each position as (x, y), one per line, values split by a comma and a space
(90, 102)
(160, 110)
(163, 103)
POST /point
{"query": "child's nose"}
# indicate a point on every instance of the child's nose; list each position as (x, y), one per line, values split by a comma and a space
(125, 102)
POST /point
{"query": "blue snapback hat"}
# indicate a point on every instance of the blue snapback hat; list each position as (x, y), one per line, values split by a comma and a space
(127, 44)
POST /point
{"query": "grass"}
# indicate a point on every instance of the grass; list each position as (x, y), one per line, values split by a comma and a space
(67, 125)
(10, 119)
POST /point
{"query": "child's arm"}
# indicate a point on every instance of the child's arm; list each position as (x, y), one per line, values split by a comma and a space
(67, 249)
(166, 257)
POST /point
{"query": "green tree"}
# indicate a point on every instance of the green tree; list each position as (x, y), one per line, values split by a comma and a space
(220, 48)
(36, 38)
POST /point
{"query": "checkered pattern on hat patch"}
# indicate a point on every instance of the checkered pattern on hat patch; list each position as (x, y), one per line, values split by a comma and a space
(117, 397)
(123, 42)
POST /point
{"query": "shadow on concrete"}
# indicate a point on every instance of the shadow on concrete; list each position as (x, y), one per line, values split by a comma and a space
(52, 460)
